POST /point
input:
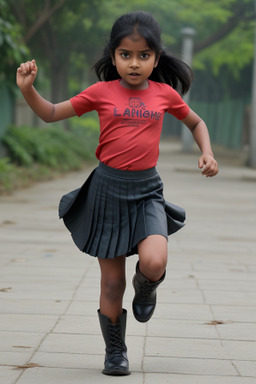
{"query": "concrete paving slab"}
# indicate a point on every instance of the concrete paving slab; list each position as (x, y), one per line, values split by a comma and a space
(186, 296)
(77, 325)
(78, 376)
(44, 307)
(182, 328)
(83, 308)
(17, 341)
(72, 343)
(227, 285)
(183, 348)
(69, 360)
(152, 378)
(189, 366)
(237, 331)
(220, 297)
(15, 359)
(246, 368)
(8, 375)
(237, 350)
(183, 311)
(245, 314)
(27, 323)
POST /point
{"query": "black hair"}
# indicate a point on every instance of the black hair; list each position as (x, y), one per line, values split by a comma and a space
(170, 70)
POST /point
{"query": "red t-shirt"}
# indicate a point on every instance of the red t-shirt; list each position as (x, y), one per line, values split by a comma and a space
(130, 121)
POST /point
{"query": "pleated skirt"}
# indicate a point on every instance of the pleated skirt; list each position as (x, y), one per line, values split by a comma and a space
(114, 210)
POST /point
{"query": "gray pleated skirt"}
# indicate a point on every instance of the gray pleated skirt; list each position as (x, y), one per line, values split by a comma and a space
(114, 210)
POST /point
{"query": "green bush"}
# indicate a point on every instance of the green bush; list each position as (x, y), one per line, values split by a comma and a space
(49, 149)
(52, 146)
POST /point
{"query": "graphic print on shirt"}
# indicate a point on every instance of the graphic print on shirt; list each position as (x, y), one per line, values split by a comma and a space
(136, 112)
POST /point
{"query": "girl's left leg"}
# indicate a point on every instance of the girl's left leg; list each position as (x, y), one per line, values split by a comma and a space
(150, 272)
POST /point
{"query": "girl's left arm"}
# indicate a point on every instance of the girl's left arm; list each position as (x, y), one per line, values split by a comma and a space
(200, 133)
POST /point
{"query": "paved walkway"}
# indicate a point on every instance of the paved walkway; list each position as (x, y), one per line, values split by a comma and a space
(204, 327)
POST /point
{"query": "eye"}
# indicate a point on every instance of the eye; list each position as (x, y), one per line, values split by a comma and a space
(125, 55)
(144, 56)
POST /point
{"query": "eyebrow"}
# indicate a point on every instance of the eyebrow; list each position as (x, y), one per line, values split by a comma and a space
(127, 50)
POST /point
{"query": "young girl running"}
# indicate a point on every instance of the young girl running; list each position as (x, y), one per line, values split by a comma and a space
(120, 210)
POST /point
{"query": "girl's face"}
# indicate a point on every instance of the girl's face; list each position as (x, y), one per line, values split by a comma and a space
(134, 61)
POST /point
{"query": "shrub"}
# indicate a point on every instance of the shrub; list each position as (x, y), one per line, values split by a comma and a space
(50, 148)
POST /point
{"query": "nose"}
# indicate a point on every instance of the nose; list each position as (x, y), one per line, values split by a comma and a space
(134, 63)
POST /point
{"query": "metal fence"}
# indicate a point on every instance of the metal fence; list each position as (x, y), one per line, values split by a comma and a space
(226, 121)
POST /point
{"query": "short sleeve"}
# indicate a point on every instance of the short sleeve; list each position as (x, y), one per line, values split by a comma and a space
(86, 100)
(177, 107)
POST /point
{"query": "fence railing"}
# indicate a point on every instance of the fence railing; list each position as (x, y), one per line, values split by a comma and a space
(225, 121)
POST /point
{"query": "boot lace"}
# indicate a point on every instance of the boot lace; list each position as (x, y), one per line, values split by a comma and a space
(117, 346)
(146, 292)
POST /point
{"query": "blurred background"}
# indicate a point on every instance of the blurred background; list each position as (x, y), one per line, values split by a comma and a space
(66, 37)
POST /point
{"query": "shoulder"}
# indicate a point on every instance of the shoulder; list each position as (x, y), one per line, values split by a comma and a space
(164, 91)
(162, 87)
(105, 84)
(99, 86)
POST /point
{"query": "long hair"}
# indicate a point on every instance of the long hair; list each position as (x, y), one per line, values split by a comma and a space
(170, 70)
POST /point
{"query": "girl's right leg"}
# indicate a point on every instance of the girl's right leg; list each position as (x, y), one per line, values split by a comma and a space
(112, 316)
(113, 285)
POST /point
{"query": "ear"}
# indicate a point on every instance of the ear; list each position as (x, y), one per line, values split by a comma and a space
(157, 60)
(113, 58)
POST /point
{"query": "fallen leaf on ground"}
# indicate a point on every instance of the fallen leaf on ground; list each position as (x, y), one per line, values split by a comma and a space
(8, 222)
(218, 322)
(5, 289)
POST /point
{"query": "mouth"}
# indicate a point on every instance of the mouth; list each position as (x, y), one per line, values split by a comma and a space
(134, 74)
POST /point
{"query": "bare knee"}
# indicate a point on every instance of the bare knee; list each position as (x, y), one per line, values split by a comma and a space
(153, 257)
(154, 268)
(157, 265)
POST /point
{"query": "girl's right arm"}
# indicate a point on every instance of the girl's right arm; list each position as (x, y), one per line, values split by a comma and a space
(47, 111)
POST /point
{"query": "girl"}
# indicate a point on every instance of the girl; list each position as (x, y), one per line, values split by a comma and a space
(120, 209)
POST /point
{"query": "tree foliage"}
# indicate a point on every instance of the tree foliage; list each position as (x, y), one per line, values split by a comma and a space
(12, 51)
(68, 36)
(55, 31)
(217, 24)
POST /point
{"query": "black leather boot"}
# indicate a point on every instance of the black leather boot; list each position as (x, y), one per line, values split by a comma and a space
(116, 362)
(144, 301)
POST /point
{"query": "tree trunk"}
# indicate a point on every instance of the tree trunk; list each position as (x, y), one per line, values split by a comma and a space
(59, 82)
(59, 66)
(59, 79)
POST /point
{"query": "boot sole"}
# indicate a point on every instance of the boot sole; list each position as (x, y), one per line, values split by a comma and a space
(116, 373)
